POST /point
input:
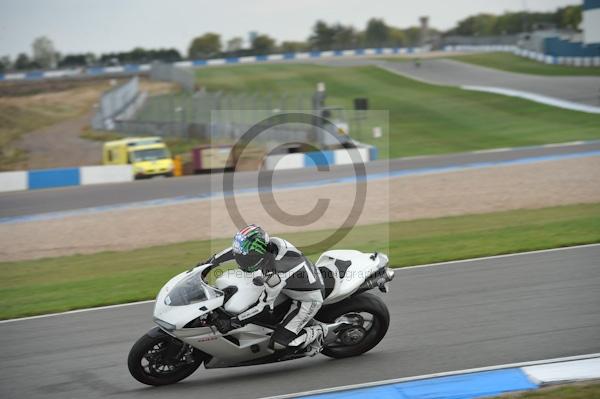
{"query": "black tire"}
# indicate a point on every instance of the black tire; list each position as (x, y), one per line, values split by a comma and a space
(367, 303)
(147, 343)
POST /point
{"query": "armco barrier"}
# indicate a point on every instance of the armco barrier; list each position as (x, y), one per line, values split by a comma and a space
(587, 61)
(133, 68)
(319, 158)
(64, 177)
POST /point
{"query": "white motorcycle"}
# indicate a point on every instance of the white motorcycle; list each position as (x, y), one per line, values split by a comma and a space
(187, 306)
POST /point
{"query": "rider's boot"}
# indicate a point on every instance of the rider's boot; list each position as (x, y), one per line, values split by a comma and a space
(311, 340)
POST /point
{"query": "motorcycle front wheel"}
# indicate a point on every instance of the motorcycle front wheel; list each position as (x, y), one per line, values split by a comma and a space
(369, 319)
(159, 359)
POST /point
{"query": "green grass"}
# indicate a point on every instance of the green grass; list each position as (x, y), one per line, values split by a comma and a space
(513, 63)
(571, 391)
(80, 281)
(423, 119)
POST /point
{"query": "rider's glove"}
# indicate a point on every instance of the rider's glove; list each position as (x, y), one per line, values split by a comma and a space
(226, 325)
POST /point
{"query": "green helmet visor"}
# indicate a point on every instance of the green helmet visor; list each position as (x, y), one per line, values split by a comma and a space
(250, 262)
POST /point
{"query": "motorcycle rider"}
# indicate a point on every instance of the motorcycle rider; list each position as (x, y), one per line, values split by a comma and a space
(286, 271)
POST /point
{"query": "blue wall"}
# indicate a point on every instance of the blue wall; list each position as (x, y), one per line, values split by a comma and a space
(318, 158)
(565, 48)
(47, 178)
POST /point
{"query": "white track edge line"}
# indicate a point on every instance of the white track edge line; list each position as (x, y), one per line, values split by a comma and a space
(496, 256)
(434, 375)
(41, 316)
(395, 270)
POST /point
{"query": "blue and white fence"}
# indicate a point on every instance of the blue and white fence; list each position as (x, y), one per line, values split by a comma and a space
(532, 55)
(132, 69)
(320, 158)
(64, 177)
(138, 68)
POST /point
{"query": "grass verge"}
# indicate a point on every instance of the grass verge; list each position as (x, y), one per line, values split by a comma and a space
(423, 119)
(29, 106)
(513, 63)
(21, 115)
(570, 391)
(80, 281)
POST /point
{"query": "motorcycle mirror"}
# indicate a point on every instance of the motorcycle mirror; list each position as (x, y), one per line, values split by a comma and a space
(258, 281)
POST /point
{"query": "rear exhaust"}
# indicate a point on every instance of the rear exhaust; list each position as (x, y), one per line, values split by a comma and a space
(379, 279)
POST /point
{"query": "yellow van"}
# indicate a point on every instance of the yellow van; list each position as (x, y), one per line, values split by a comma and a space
(149, 156)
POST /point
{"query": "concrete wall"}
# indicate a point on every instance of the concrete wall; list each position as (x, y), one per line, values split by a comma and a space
(284, 161)
(13, 181)
(320, 158)
(105, 174)
(64, 177)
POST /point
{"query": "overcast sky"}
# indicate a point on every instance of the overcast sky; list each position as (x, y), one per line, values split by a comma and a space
(119, 25)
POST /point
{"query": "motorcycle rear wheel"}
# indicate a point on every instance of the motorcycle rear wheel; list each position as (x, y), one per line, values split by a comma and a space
(153, 360)
(359, 307)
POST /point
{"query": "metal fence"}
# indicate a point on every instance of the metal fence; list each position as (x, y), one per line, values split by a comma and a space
(220, 117)
(120, 101)
(170, 73)
(456, 40)
(212, 116)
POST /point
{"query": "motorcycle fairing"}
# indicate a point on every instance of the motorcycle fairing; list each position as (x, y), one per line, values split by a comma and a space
(349, 277)
(179, 316)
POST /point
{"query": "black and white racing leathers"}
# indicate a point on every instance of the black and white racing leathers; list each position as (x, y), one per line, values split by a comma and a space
(288, 272)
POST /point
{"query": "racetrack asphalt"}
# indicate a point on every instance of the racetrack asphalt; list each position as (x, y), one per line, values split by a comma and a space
(17, 204)
(448, 317)
(579, 89)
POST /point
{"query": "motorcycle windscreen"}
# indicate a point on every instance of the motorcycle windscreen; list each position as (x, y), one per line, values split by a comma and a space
(190, 290)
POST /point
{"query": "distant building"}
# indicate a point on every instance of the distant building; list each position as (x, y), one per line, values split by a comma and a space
(536, 40)
(591, 21)
(251, 36)
(563, 43)
(424, 22)
(568, 42)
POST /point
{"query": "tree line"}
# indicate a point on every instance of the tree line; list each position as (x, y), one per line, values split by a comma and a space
(516, 22)
(323, 37)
